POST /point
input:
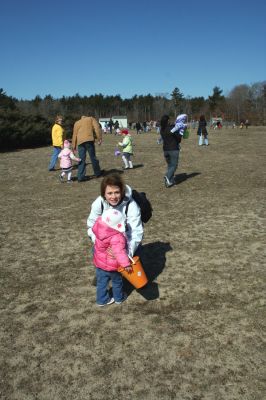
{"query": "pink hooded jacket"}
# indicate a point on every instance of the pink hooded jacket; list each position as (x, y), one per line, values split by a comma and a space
(66, 156)
(107, 237)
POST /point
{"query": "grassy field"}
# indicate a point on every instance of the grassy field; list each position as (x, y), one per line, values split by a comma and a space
(197, 331)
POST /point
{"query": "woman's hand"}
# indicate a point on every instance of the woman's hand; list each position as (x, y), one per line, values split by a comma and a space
(128, 268)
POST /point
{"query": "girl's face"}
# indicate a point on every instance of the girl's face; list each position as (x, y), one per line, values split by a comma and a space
(113, 195)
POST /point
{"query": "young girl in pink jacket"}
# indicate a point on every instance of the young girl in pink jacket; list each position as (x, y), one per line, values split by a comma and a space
(110, 254)
(66, 156)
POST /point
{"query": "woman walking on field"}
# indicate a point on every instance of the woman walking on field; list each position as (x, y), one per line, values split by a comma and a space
(202, 131)
(57, 141)
(172, 136)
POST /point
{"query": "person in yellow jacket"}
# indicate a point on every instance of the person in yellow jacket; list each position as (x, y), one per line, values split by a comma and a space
(85, 131)
(57, 141)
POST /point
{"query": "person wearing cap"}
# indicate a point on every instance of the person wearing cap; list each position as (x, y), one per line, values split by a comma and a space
(85, 131)
(66, 156)
(127, 146)
(57, 141)
(110, 253)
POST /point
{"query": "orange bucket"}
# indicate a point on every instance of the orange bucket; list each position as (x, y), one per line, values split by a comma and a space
(137, 277)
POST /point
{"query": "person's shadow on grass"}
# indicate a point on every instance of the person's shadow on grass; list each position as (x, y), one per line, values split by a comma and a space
(153, 258)
(135, 166)
(183, 177)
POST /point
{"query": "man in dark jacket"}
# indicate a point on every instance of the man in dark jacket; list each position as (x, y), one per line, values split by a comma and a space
(171, 149)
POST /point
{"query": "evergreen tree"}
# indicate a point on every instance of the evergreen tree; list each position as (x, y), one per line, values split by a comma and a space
(177, 98)
(216, 100)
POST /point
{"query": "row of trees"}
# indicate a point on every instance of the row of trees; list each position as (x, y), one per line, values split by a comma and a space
(28, 122)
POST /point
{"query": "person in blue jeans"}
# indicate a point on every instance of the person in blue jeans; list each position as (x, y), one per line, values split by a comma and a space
(110, 254)
(171, 148)
(85, 132)
(57, 141)
(115, 194)
(83, 148)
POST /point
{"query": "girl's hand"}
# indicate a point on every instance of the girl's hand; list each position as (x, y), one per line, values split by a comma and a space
(129, 268)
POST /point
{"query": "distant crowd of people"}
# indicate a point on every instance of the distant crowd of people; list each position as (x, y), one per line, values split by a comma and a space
(144, 127)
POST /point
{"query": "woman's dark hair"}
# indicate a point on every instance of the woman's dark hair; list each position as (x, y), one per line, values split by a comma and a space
(113, 180)
(202, 118)
(164, 121)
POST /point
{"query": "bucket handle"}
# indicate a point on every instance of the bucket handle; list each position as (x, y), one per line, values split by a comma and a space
(131, 259)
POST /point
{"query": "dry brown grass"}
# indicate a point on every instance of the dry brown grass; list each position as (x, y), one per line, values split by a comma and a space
(196, 332)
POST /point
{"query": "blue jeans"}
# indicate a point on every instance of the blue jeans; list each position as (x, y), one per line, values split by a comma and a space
(83, 148)
(171, 157)
(103, 277)
(54, 157)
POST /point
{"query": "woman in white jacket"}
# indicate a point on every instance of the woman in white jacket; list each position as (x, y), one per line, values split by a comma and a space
(115, 194)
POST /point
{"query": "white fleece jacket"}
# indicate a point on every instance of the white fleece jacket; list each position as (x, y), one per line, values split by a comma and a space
(134, 232)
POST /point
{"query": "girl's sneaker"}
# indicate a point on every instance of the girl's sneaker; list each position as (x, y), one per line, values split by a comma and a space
(124, 299)
(111, 301)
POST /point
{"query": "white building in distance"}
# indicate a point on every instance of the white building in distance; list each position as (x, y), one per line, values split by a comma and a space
(122, 120)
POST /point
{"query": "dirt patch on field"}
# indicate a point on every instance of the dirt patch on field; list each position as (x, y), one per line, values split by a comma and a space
(197, 331)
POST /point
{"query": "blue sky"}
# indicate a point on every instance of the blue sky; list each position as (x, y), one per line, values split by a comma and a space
(130, 47)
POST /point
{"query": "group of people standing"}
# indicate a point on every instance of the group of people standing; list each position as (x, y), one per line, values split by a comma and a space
(86, 132)
(110, 125)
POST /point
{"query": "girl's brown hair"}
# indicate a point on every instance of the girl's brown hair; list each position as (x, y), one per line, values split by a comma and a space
(113, 180)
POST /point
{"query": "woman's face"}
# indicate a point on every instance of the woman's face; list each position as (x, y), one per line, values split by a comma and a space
(112, 195)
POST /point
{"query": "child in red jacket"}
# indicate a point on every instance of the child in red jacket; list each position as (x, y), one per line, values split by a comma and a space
(110, 253)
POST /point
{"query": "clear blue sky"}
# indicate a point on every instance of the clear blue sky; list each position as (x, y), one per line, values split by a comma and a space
(130, 47)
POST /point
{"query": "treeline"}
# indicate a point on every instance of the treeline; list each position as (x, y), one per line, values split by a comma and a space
(26, 123)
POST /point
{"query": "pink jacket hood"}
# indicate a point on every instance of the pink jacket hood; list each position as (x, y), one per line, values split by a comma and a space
(107, 237)
(65, 161)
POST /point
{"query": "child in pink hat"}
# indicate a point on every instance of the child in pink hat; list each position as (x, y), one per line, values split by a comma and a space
(66, 156)
(110, 253)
